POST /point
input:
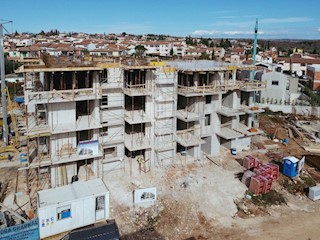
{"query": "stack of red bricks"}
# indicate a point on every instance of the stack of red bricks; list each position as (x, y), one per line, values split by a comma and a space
(264, 174)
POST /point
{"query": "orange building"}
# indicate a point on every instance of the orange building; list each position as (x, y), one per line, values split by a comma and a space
(313, 73)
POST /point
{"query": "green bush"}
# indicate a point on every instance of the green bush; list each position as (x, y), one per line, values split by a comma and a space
(314, 97)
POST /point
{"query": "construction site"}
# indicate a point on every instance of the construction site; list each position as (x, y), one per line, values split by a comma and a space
(166, 149)
(181, 127)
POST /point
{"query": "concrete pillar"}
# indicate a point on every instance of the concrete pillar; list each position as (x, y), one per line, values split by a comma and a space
(74, 80)
(250, 101)
(235, 121)
(71, 171)
(197, 152)
(196, 78)
(249, 120)
(234, 99)
(41, 78)
(234, 75)
(215, 145)
(53, 177)
(221, 76)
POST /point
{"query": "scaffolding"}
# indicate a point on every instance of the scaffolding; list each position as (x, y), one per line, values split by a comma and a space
(165, 104)
(112, 118)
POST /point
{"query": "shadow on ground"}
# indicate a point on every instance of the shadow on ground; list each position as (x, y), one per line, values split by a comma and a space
(144, 234)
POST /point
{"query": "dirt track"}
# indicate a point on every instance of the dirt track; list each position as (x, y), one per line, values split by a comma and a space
(298, 225)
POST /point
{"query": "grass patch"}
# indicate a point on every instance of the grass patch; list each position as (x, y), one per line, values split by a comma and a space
(269, 199)
(299, 186)
(309, 181)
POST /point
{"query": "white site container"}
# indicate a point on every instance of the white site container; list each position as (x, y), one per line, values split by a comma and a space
(314, 193)
(72, 206)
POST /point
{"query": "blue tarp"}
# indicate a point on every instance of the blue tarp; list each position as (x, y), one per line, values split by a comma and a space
(25, 231)
(19, 99)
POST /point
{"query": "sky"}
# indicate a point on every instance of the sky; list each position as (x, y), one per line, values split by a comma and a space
(278, 19)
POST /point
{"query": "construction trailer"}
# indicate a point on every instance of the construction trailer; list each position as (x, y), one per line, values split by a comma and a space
(135, 116)
(72, 206)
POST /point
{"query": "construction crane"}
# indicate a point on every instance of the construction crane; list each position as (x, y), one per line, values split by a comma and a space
(14, 142)
(255, 48)
(3, 88)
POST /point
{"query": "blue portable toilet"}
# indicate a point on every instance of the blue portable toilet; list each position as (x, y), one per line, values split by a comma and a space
(233, 151)
(290, 166)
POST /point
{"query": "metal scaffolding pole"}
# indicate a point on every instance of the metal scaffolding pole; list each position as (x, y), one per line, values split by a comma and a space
(3, 89)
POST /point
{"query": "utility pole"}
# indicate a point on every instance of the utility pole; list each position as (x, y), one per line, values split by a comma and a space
(3, 89)
(255, 48)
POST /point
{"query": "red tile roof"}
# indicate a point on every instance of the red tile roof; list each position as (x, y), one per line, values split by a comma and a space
(300, 60)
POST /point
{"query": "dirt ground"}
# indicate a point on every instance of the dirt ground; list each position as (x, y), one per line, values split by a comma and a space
(197, 201)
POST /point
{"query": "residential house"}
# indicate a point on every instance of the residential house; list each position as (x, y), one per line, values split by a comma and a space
(157, 48)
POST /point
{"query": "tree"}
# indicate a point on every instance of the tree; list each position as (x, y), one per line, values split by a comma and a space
(140, 50)
(228, 43)
(161, 37)
(204, 41)
(204, 56)
(191, 41)
(221, 42)
(225, 44)
(171, 52)
(123, 34)
(10, 66)
(290, 51)
(213, 57)
(247, 53)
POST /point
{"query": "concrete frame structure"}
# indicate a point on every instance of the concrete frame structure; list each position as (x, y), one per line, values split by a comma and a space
(136, 116)
(276, 87)
(214, 108)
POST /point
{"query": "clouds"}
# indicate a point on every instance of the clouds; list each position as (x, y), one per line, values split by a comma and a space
(285, 20)
(241, 26)
(217, 32)
(276, 33)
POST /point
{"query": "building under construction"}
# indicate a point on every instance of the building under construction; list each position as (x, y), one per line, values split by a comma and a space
(83, 122)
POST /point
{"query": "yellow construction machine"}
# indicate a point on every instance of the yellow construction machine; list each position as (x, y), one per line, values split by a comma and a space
(14, 139)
